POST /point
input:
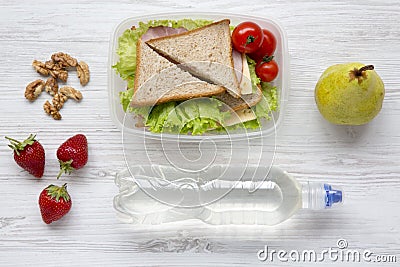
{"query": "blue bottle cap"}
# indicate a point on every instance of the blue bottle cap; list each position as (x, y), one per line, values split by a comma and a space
(332, 196)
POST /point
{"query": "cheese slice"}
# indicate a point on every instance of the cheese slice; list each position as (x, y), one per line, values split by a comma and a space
(245, 83)
(240, 117)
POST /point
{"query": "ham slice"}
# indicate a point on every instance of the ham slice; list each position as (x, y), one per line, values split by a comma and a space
(161, 31)
(237, 64)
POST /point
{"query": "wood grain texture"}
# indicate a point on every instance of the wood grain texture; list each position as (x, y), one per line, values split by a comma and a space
(364, 159)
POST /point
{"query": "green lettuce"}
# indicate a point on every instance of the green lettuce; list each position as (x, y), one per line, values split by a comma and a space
(195, 116)
(252, 68)
(268, 103)
(126, 66)
(125, 99)
(158, 115)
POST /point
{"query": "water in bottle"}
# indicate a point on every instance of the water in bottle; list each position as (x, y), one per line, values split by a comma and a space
(220, 195)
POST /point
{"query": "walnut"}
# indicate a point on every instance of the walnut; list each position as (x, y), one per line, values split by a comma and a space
(83, 72)
(60, 74)
(51, 110)
(59, 100)
(56, 70)
(71, 92)
(64, 60)
(40, 67)
(51, 86)
(51, 65)
(51, 68)
(34, 89)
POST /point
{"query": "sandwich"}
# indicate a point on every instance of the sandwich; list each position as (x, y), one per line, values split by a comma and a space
(158, 80)
(205, 52)
(184, 77)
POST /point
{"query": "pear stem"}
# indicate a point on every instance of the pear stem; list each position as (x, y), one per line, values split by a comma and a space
(359, 74)
(361, 70)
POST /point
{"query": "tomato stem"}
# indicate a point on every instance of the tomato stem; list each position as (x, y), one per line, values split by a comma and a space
(267, 58)
(250, 39)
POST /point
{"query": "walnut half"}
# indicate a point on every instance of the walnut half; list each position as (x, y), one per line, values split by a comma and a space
(34, 89)
(83, 72)
(54, 69)
(59, 100)
(71, 92)
(60, 74)
(64, 60)
(51, 110)
(51, 86)
(40, 67)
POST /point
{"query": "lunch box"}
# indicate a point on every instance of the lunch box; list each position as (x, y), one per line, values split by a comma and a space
(116, 85)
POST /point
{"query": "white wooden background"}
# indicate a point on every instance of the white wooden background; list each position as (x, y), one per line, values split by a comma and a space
(364, 160)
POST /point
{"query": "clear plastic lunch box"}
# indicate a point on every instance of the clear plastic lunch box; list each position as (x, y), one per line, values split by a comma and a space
(116, 84)
(209, 156)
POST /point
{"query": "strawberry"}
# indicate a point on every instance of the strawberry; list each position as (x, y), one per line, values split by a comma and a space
(29, 155)
(54, 203)
(73, 154)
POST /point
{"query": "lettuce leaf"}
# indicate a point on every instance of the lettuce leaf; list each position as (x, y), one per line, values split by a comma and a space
(125, 99)
(158, 115)
(126, 66)
(195, 116)
(201, 115)
(189, 24)
(271, 95)
(252, 68)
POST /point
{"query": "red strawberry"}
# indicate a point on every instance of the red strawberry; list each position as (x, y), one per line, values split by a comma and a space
(29, 155)
(73, 154)
(54, 203)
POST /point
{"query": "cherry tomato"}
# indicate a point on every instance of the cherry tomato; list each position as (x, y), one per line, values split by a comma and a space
(267, 48)
(267, 69)
(247, 37)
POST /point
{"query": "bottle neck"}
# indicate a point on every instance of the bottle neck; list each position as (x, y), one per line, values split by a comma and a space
(318, 196)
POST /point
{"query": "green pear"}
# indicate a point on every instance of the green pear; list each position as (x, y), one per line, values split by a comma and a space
(349, 94)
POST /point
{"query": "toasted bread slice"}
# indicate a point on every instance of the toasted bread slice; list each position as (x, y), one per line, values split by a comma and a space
(158, 80)
(205, 52)
(245, 101)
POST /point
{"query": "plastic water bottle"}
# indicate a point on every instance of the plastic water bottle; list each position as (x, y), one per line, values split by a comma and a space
(226, 200)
